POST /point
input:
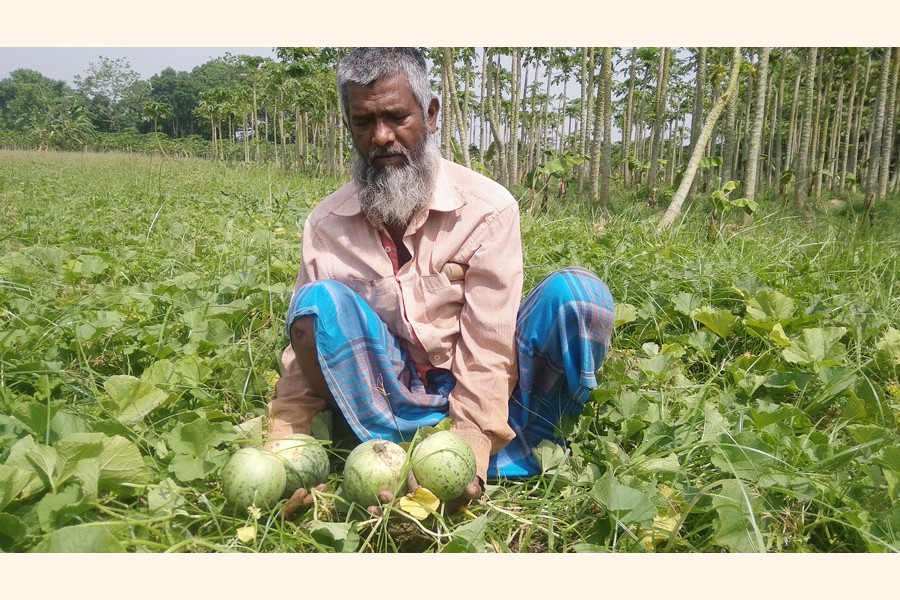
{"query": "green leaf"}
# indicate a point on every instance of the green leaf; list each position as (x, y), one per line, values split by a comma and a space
(86, 537)
(747, 457)
(198, 436)
(133, 398)
(57, 508)
(625, 313)
(714, 424)
(735, 525)
(769, 307)
(12, 482)
(719, 321)
(164, 496)
(887, 349)
(630, 505)
(339, 537)
(685, 303)
(819, 346)
(550, 456)
(468, 537)
(118, 460)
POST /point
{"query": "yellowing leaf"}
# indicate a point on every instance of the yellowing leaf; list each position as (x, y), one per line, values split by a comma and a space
(246, 534)
(778, 336)
(419, 504)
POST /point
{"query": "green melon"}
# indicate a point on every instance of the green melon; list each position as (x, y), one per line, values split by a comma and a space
(373, 466)
(444, 463)
(253, 477)
(305, 461)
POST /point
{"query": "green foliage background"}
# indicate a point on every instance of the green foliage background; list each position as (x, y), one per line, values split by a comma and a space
(749, 403)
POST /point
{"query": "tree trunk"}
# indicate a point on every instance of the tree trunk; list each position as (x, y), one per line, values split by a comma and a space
(697, 112)
(857, 126)
(446, 105)
(656, 139)
(887, 143)
(597, 145)
(793, 125)
(801, 187)
(759, 117)
(587, 88)
(513, 160)
(628, 125)
(849, 128)
(726, 172)
(678, 199)
(606, 96)
(876, 161)
(493, 118)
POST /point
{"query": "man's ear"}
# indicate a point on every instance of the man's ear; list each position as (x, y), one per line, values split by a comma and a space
(434, 107)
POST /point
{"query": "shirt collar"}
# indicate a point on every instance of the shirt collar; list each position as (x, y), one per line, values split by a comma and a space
(444, 198)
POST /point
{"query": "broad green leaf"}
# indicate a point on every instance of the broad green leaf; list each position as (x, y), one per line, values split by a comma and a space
(58, 508)
(714, 424)
(118, 460)
(198, 436)
(164, 496)
(46, 464)
(630, 505)
(685, 303)
(719, 321)
(83, 538)
(550, 456)
(189, 468)
(669, 464)
(338, 537)
(769, 308)
(133, 398)
(625, 313)
(12, 482)
(819, 346)
(12, 529)
(888, 348)
(736, 525)
(18, 458)
(468, 537)
(747, 457)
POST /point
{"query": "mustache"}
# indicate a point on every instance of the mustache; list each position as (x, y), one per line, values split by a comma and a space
(384, 152)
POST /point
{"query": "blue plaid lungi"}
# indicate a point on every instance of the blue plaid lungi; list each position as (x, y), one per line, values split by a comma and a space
(563, 331)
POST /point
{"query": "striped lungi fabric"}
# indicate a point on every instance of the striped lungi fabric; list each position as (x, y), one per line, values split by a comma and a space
(563, 332)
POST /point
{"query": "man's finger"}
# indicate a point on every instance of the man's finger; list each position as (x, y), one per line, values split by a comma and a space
(411, 482)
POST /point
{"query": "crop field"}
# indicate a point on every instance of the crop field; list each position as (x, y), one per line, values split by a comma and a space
(750, 401)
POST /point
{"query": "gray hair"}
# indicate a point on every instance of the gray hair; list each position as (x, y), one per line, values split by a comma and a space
(362, 66)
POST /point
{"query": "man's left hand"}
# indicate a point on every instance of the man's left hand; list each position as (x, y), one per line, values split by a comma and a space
(473, 491)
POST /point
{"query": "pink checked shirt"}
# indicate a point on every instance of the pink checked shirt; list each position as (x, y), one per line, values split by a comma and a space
(454, 303)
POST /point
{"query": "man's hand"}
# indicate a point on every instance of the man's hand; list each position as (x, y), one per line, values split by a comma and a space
(300, 501)
(473, 491)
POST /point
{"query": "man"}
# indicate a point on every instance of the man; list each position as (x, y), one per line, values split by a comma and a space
(406, 308)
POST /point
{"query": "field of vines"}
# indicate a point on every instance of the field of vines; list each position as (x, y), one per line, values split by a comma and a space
(749, 404)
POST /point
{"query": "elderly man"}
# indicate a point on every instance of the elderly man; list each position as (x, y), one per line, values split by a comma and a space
(407, 309)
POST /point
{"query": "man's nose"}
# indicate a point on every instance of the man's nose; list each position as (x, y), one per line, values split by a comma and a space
(384, 133)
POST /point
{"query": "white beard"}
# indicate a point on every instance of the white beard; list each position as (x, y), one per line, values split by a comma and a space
(392, 195)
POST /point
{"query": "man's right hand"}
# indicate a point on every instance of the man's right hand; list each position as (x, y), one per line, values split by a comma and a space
(300, 501)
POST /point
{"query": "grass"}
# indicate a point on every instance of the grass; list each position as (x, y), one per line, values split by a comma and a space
(749, 403)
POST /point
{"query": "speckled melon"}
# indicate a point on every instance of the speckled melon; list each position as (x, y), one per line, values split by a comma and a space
(305, 461)
(373, 466)
(253, 477)
(444, 463)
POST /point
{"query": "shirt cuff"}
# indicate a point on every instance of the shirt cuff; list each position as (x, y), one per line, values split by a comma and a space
(481, 446)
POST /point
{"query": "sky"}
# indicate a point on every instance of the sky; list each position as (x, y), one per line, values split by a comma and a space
(66, 63)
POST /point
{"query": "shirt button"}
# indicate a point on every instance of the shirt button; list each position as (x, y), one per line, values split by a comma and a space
(387, 249)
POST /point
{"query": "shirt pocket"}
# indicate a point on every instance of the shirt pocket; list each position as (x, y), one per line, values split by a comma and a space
(443, 300)
(379, 294)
